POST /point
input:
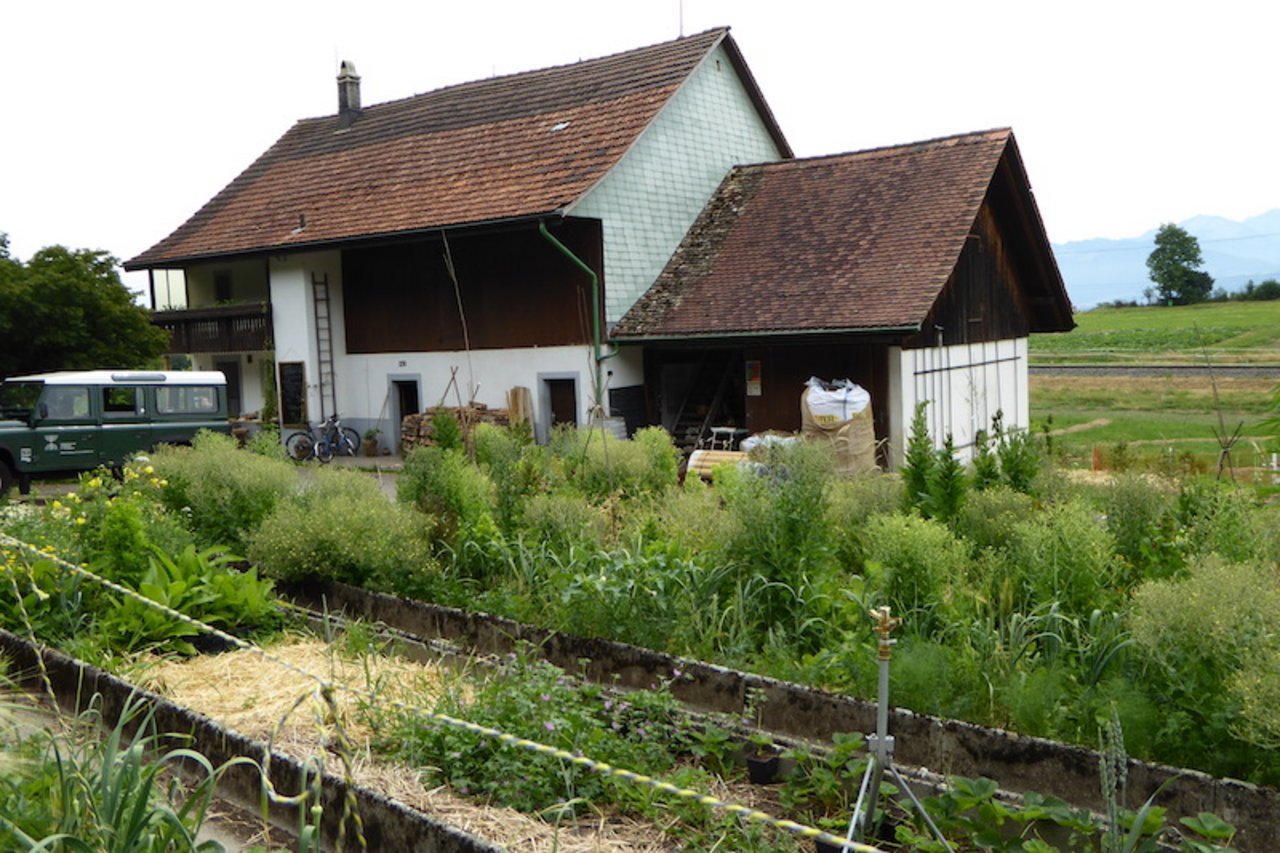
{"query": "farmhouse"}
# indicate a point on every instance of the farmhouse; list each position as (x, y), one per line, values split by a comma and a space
(551, 230)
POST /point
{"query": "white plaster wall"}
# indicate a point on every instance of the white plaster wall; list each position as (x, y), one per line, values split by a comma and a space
(624, 369)
(649, 200)
(293, 321)
(965, 384)
(366, 395)
(248, 282)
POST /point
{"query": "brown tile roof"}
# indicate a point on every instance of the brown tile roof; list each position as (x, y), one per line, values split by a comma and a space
(850, 242)
(476, 152)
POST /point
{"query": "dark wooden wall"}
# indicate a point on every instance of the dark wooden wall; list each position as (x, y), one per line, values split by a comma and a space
(785, 367)
(980, 301)
(517, 291)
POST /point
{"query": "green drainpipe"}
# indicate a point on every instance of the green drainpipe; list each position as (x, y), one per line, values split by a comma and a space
(597, 356)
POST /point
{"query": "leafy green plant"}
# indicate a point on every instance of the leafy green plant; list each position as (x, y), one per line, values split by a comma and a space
(1063, 554)
(533, 699)
(823, 783)
(446, 431)
(918, 461)
(946, 485)
(200, 584)
(443, 483)
(1197, 638)
(343, 528)
(225, 492)
(600, 465)
(88, 792)
(912, 563)
(1142, 517)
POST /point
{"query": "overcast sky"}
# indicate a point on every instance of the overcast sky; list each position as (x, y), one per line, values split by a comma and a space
(120, 119)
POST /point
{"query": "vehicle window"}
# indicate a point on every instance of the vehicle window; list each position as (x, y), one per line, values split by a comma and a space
(67, 402)
(18, 398)
(120, 402)
(186, 399)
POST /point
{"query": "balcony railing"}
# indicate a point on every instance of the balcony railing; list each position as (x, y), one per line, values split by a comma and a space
(224, 328)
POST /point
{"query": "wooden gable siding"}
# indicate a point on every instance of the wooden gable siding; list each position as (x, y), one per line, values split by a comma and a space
(981, 301)
(517, 291)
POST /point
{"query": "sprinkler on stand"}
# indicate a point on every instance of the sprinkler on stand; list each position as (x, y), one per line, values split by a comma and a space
(880, 748)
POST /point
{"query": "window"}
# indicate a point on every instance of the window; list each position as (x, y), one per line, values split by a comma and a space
(186, 399)
(67, 402)
(119, 402)
(222, 286)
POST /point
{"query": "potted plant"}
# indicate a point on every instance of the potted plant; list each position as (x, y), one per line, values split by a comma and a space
(763, 759)
(370, 443)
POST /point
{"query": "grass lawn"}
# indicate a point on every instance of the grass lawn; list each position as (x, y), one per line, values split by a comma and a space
(1237, 332)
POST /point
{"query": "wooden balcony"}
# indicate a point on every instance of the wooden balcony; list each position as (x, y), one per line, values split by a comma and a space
(223, 328)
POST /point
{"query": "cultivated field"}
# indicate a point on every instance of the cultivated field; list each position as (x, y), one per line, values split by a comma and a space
(1170, 419)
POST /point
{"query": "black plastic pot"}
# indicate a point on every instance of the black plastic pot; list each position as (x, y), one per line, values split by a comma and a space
(763, 769)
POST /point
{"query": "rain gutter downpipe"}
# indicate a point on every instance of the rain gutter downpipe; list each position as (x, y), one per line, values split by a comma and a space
(598, 357)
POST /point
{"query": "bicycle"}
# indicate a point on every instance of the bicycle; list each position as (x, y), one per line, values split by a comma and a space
(332, 439)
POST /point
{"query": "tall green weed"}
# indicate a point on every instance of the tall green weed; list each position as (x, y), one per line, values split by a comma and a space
(600, 465)
(341, 527)
(224, 491)
(913, 564)
(1200, 638)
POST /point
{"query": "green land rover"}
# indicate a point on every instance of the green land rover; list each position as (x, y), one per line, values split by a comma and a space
(54, 424)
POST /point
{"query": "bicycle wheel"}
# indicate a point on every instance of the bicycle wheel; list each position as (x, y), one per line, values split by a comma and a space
(300, 446)
(349, 444)
(324, 449)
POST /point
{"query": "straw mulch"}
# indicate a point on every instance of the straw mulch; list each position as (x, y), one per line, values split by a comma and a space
(259, 698)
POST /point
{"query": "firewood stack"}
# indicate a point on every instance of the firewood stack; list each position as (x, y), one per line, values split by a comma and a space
(418, 431)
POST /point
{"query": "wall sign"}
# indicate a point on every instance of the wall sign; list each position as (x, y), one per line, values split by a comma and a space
(753, 378)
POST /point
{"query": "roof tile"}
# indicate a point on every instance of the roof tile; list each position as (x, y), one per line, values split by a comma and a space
(507, 147)
(855, 241)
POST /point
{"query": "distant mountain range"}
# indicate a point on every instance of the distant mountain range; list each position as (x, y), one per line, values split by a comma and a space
(1103, 270)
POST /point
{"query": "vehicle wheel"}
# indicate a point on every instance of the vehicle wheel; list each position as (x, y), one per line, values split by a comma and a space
(7, 479)
(349, 445)
(300, 446)
(324, 450)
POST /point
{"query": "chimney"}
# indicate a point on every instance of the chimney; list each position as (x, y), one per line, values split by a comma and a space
(348, 94)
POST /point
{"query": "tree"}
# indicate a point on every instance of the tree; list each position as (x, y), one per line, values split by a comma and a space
(1174, 266)
(68, 309)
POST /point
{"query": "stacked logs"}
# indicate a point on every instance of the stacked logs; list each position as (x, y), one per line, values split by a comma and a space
(418, 430)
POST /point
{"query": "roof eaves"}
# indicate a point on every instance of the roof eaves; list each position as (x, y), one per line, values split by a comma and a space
(757, 96)
(764, 333)
(335, 242)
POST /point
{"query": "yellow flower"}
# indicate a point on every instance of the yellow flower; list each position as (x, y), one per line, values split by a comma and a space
(80, 519)
(56, 504)
(148, 470)
(94, 483)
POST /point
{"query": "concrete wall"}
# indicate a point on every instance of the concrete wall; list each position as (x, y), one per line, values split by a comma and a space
(966, 385)
(649, 200)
